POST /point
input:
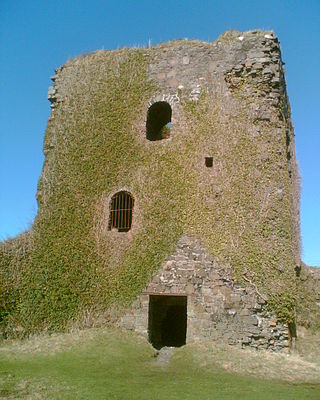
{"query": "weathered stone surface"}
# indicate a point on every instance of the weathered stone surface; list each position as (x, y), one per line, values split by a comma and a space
(218, 307)
(250, 67)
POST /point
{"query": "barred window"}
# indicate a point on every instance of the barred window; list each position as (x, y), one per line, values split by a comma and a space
(121, 207)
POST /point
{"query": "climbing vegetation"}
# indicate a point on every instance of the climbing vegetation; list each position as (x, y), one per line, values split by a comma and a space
(96, 145)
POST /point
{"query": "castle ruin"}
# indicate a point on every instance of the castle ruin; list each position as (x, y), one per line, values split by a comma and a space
(169, 187)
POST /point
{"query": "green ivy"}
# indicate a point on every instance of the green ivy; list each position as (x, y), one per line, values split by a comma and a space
(96, 146)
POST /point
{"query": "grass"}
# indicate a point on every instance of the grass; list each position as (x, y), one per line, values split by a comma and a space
(108, 364)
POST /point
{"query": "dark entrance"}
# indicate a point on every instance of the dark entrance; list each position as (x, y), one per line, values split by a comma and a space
(159, 121)
(167, 321)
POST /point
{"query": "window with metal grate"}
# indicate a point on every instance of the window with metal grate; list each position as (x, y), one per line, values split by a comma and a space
(121, 208)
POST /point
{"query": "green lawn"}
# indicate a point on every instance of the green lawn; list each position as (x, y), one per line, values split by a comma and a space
(113, 365)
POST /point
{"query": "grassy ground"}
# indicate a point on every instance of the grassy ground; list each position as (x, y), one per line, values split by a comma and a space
(108, 364)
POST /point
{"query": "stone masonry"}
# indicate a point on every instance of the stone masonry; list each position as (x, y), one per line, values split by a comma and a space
(238, 68)
(218, 308)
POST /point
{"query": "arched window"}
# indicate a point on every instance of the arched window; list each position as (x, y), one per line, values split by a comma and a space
(159, 121)
(121, 207)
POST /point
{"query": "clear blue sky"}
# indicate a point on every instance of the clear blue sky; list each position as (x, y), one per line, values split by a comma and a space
(38, 36)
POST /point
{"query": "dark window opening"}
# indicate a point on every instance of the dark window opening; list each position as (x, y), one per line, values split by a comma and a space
(288, 144)
(167, 324)
(289, 155)
(121, 207)
(159, 121)
(209, 162)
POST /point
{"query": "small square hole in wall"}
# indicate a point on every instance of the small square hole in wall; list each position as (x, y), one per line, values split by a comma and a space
(209, 162)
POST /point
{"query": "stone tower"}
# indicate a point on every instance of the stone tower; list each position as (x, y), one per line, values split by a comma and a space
(170, 187)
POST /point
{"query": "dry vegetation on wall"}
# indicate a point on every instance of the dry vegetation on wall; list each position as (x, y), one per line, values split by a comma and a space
(308, 299)
(69, 262)
(250, 224)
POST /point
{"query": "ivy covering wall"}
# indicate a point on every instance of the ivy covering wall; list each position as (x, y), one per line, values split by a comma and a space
(95, 145)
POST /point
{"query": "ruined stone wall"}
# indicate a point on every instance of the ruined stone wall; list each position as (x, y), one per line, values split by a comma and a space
(229, 102)
(218, 308)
